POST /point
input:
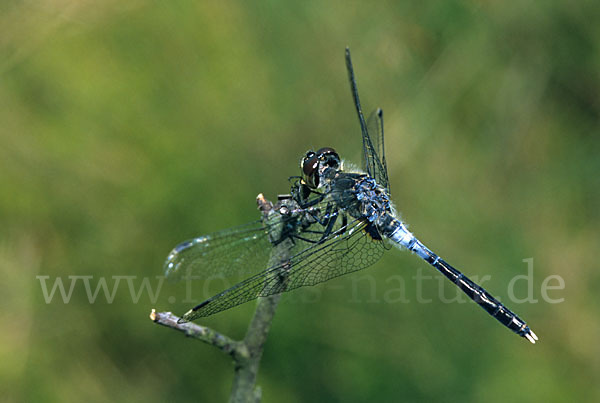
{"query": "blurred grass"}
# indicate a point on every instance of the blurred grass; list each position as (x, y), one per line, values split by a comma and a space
(127, 128)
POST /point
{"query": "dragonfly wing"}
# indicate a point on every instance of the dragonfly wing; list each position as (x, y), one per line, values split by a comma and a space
(239, 250)
(375, 149)
(373, 152)
(349, 248)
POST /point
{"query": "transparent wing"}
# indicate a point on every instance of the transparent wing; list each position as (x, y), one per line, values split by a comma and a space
(373, 152)
(375, 148)
(239, 250)
(348, 248)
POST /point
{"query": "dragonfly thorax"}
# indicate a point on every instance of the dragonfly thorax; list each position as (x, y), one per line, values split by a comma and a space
(373, 199)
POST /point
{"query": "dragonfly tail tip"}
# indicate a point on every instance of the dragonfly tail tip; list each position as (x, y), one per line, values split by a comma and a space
(532, 337)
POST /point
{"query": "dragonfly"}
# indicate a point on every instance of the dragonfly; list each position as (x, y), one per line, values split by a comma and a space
(334, 221)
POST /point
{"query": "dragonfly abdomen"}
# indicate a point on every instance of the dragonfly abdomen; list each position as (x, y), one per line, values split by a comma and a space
(397, 232)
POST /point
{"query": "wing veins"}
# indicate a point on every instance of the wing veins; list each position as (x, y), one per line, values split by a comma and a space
(270, 281)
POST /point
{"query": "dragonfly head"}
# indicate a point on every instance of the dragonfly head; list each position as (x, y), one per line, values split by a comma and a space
(314, 165)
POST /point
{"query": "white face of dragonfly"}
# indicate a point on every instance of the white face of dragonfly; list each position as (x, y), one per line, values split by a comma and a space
(314, 165)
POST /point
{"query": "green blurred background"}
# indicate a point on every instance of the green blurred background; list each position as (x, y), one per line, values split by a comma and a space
(127, 127)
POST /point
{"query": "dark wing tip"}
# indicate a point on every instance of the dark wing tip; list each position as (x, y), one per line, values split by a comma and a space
(349, 62)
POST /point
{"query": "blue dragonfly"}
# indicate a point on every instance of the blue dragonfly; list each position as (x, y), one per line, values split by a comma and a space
(333, 222)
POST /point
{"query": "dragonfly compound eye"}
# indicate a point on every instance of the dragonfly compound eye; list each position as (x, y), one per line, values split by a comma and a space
(310, 163)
